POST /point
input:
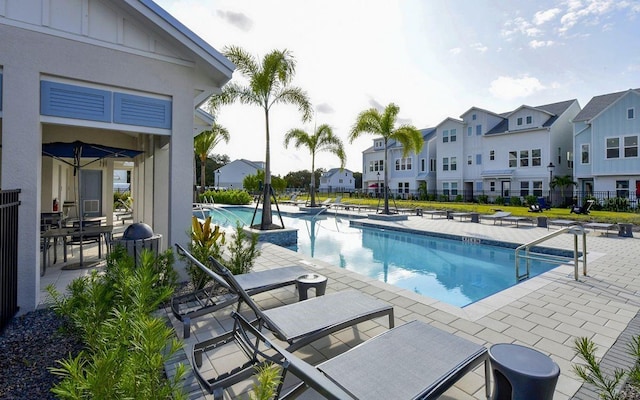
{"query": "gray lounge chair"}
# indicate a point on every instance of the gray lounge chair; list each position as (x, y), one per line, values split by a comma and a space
(205, 301)
(297, 324)
(411, 361)
(497, 216)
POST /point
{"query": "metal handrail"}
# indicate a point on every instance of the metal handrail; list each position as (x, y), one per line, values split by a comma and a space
(575, 230)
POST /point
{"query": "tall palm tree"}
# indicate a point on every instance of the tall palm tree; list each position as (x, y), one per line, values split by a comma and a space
(562, 182)
(269, 84)
(373, 122)
(322, 140)
(205, 142)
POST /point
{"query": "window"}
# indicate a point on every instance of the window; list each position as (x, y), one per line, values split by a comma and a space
(479, 186)
(453, 164)
(473, 117)
(445, 136)
(403, 164)
(622, 188)
(537, 188)
(524, 189)
(630, 146)
(513, 159)
(492, 155)
(492, 186)
(584, 151)
(469, 160)
(529, 119)
(423, 165)
(613, 147)
(478, 130)
(379, 144)
(445, 188)
(453, 135)
(454, 188)
(397, 164)
(519, 121)
(445, 163)
(432, 165)
(478, 159)
(469, 131)
(340, 180)
(536, 157)
(524, 158)
(631, 113)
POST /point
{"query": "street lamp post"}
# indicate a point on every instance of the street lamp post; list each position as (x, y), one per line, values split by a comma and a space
(218, 173)
(378, 186)
(550, 167)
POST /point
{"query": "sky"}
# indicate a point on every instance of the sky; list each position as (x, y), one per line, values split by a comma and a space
(433, 58)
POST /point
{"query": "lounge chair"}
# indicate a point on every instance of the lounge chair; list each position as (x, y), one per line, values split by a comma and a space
(497, 216)
(207, 300)
(542, 202)
(582, 210)
(125, 213)
(297, 324)
(411, 361)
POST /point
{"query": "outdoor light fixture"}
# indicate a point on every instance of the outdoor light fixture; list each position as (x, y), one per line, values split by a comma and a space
(550, 167)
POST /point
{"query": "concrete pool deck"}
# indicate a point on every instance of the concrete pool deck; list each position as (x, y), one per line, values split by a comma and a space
(546, 312)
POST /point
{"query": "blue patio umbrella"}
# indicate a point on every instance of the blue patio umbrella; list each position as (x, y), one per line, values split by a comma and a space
(78, 151)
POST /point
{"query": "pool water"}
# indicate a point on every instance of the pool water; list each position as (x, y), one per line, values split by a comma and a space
(453, 271)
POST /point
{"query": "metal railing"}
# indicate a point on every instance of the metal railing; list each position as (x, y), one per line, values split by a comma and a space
(9, 203)
(575, 230)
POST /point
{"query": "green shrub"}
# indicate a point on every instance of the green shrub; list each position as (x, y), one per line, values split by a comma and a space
(530, 199)
(459, 198)
(205, 242)
(235, 197)
(483, 199)
(499, 200)
(126, 347)
(243, 251)
(125, 197)
(616, 204)
(515, 201)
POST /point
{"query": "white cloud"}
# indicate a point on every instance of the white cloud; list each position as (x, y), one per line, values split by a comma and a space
(479, 47)
(541, 43)
(545, 16)
(509, 88)
(455, 51)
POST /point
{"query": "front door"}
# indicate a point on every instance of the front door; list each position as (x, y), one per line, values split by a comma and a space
(91, 192)
(506, 189)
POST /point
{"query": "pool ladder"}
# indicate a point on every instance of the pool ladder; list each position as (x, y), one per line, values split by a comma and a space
(575, 230)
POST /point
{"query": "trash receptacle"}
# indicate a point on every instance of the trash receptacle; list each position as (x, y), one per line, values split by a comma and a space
(137, 237)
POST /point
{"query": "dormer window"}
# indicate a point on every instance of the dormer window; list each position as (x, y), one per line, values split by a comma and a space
(378, 144)
(631, 113)
(529, 119)
(473, 117)
(519, 121)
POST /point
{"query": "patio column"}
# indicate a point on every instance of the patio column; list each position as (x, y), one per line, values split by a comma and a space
(21, 169)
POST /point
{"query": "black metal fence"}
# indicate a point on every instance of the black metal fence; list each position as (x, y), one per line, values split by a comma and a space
(9, 203)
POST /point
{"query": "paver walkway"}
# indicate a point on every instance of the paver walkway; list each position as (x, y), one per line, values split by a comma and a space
(547, 312)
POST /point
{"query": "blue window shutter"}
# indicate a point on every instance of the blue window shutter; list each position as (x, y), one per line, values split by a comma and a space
(141, 111)
(71, 101)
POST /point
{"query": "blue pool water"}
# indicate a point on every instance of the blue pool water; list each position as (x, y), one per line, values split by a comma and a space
(452, 271)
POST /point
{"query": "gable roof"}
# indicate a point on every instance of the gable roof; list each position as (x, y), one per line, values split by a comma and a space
(553, 109)
(598, 104)
(334, 171)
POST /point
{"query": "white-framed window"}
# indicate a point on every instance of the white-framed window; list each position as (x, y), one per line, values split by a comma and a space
(469, 131)
(445, 136)
(454, 188)
(622, 188)
(473, 117)
(630, 146)
(378, 144)
(403, 164)
(453, 134)
(445, 188)
(492, 155)
(492, 186)
(478, 159)
(340, 180)
(585, 153)
(403, 187)
(423, 165)
(529, 119)
(524, 188)
(469, 160)
(479, 186)
(613, 147)
(433, 165)
(537, 188)
(478, 130)
(454, 164)
(513, 159)
(524, 158)
(519, 121)
(445, 163)
(631, 113)
(536, 157)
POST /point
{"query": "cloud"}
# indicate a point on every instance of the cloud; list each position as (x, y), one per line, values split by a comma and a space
(534, 44)
(509, 88)
(455, 51)
(521, 26)
(324, 108)
(545, 16)
(479, 47)
(239, 20)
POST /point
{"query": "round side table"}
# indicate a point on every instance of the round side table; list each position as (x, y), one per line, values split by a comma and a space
(522, 373)
(308, 281)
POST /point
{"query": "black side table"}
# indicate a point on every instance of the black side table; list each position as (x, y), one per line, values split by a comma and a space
(522, 373)
(308, 281)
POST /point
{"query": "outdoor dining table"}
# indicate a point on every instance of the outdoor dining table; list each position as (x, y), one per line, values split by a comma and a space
(105, 231)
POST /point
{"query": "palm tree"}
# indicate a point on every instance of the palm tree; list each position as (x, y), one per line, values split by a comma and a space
(269, 84)
(371, 121)
(322, 140)
(562, 182)
(205, 142)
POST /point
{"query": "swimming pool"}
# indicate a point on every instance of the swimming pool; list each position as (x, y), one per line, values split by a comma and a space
(453, 271)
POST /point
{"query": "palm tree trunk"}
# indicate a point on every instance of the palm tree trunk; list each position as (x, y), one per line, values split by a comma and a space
(203, 163)
(386, 177)
(266, 204)
(312, 186)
